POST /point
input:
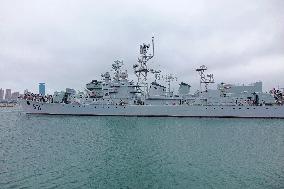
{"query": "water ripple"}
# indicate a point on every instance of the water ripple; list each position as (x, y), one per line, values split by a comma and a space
(120, 152)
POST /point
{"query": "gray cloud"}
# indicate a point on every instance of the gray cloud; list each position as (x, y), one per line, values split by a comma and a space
(67, 43)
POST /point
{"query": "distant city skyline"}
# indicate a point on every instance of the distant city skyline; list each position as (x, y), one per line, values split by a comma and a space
(8, 94)
(68, 43)
(2, 94)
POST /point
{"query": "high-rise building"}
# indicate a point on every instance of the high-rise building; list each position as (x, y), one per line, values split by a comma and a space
(8, 94)
(1, 94)
(15, 95)
(41, 88)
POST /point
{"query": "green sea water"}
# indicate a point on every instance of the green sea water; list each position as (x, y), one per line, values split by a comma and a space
(130, 152)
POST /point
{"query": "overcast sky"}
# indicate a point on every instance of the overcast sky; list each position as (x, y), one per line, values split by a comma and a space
(67, 43)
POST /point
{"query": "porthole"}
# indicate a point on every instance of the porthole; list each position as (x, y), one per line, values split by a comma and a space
(234, 108)
(248, 108)
(240, 108)
(266, 108)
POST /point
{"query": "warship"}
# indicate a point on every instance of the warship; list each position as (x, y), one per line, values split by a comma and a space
(114, 94)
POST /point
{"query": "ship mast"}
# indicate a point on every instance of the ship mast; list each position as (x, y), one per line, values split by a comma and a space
(156, 74)
(116, 67)
(204, 79)
(141, 69)
(169, 78)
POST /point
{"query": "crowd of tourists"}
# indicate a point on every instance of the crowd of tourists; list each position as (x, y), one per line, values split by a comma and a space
(38, 97)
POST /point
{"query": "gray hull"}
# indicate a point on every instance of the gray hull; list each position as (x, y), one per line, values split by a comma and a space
(31, 107)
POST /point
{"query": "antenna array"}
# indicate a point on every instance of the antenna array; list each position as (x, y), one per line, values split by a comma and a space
(141, 69)
(204, 79)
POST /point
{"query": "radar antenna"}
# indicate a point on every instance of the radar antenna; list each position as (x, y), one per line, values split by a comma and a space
(169, 78)
(156, 74)
(141, 70)
(204, 79)
(116, 67)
